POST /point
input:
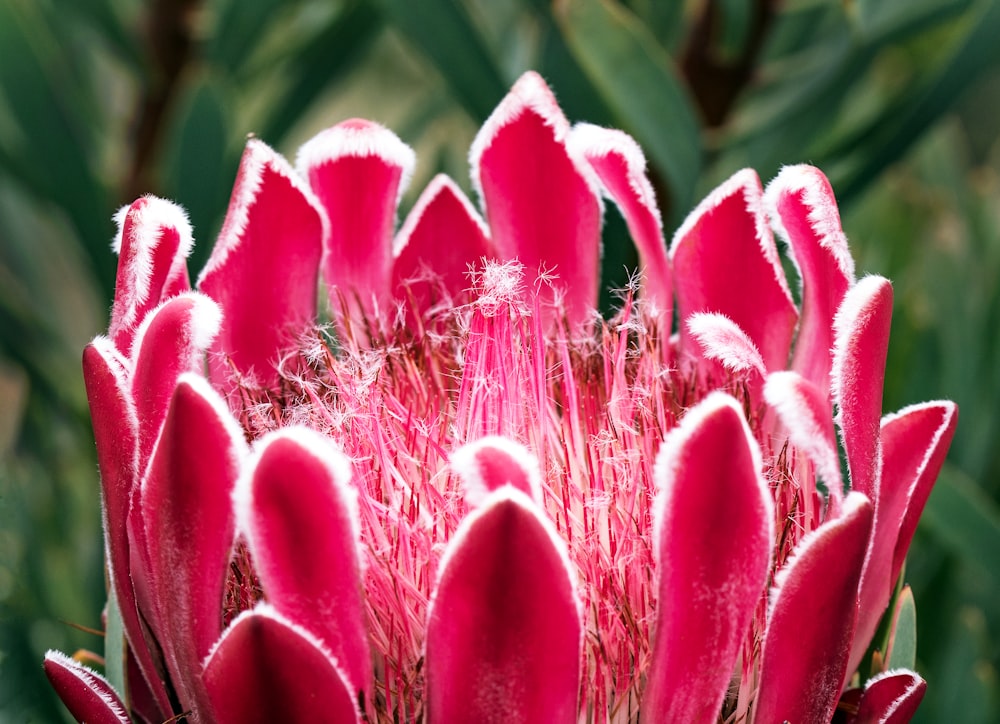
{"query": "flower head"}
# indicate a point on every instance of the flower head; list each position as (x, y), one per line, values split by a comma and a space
(473, 500)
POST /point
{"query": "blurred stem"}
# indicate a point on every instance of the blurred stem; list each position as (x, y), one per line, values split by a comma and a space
(715, 81)
(169, 34)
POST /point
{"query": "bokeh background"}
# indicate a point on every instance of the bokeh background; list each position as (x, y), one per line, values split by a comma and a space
(102, 100)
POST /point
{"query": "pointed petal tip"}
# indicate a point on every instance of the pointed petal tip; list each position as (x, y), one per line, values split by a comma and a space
(490, 463)
(822, 212)
(357, 137)
(529, 94)
(440, 185)
(88, 695)
(258, 159)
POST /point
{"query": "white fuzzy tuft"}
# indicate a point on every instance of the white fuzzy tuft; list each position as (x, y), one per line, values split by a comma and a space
(464, 462)
(438, 185)
(256, 158)
(721, 339)
(824, 216)
(92, 680)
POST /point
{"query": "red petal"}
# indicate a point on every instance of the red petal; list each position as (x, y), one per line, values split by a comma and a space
(492, 462)
(112, 411)
(88, 695)
(714, 529)
(296, 489)
(542, 204)
(264, 267)
(265, 669)
(914, 443)
(441, 239)
(358, 169)
(804, 212)
(504, 632)
(725, 261)
(187, 511)
(621, 167)
(170, 341)
(812, 617)
(862, 341)
(891, 698)
(154, 240)
(806, 414)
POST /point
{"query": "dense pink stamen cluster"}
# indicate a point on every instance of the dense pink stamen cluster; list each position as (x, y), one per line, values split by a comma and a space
(593, 408)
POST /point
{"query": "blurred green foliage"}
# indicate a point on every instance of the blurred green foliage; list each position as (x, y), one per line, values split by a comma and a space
(101, 100)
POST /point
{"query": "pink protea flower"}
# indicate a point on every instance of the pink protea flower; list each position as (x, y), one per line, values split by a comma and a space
(475, 501)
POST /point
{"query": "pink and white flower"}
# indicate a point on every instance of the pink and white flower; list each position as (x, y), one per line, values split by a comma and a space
(473, 500)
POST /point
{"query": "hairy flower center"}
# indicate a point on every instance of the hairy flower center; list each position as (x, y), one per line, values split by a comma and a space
(594, 410)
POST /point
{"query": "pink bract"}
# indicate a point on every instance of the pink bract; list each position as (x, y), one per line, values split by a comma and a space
(471, 499)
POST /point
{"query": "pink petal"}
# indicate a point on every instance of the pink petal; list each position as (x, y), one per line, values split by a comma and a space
(187, 511)
(171, 340)
(504, 631)
(710, 576)
(492, 462)
(804, 212)
(264, 267)
(860, 347)
(440, 241)
(806, 414)
(88, 695)
(266, 669)
(914, 443)
(358, 169)
(891, 698)
(812, 617)
(297, 489)
(542, 204)
(724, 260)
(153, 242)
(621, 167)
(722, 340)
(116, 425)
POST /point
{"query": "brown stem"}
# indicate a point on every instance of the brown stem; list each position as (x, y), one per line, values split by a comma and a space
(715, 82)
(169, 45)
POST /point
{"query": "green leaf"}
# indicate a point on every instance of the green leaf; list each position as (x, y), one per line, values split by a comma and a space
(964, 519)
(893, 132)
(48, 143)
(444, 32)
(322, 62)
(114, 645)
(638, 82)
(239, 27)
(198, 165)
(903, 636)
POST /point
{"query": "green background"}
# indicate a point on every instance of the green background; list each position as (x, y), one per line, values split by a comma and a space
(898, 101)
